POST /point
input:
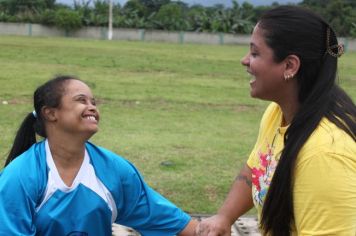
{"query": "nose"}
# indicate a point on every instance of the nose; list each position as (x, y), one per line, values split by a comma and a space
(92, 106)
(245, 61)
(94, 109)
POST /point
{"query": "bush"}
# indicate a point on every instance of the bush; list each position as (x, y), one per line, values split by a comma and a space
(67, 19)
(48, 17)
(353, 30)
(4, 17)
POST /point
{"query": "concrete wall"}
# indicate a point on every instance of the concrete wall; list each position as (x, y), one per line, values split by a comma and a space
(24, 29)
(349, 44)
(15, 29)
(126, 34)
(89, 32)
(39, 30)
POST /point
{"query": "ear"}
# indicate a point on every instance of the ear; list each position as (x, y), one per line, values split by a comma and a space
(49, 113)
(292, 65)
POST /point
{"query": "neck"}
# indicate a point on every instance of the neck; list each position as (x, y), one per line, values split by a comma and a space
(289, 102)
(66, 152)
(289, 110)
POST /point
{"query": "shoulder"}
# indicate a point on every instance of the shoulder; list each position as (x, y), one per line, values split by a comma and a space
(28, 164)
(328, 140)
(324, 181)
(27, 172)
(106, 161)
(105, 156)
(328, 152)
(119, 176)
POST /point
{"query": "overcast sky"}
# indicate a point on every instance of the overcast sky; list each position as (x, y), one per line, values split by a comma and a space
(208, 2)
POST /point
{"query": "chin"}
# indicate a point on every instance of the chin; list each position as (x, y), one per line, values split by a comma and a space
(94, 131)
(253, 94)
(91, 133)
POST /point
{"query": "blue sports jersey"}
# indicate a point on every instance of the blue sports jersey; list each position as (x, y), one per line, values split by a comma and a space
(35, 201)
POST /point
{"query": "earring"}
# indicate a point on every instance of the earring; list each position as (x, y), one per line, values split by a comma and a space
(288, 77)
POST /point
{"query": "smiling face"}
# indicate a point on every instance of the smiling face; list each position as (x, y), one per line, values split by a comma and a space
(77, 113)
(267, 75)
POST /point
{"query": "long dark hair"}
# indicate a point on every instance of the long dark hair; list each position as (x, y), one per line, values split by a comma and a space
(49, 95)
(293, 30)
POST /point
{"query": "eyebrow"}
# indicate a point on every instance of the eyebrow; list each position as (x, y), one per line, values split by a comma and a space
(79, 95)
(82, 95)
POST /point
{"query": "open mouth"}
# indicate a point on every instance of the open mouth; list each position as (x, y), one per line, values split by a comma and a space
(252, 77)
(93, 118)
(252, 80)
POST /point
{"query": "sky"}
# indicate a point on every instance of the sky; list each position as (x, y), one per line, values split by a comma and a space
(208, 2)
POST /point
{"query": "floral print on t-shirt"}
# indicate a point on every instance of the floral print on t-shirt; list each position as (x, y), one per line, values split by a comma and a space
(262, 175)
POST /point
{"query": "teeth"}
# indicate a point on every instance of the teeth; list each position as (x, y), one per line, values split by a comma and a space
(91, 117)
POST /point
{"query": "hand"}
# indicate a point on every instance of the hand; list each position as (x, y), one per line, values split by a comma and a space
(216, 225)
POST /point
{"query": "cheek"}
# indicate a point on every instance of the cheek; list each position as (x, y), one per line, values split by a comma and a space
(255, 64)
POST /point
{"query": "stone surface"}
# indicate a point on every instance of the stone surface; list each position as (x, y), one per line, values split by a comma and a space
(243, 226)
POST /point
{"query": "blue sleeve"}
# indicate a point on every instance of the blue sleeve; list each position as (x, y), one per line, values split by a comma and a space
(16, 206)
(147, 211)
(22, 184)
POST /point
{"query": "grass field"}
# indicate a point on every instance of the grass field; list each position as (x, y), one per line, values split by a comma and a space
(181, 113)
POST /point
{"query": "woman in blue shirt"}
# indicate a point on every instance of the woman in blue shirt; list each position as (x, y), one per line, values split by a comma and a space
(65, 185)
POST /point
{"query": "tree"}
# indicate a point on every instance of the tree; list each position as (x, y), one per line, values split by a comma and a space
(198, 18)
(135, 15)
(171, 17)
(14, 7)
(153, 5)
(172, 14)
(340, 14)
(98, 16)
(346, 15)
(68, 19)
(242, 18)
(135, 6)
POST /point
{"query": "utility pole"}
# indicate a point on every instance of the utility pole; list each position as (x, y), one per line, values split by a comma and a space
(110, 20)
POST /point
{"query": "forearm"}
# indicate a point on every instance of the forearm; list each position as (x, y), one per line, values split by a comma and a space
(239, 199)
(189, 230)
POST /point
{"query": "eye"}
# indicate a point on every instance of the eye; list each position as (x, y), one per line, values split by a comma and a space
(82, 100)
(93, 101)
(254, 54)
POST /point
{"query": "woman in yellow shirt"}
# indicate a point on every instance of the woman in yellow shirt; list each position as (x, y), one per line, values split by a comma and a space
(301, 174)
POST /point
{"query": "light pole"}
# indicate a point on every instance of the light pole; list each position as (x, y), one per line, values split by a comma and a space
(110, 21)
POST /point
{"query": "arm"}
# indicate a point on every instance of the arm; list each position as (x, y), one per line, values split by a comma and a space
(147, 211)
(189, 230)
(16, 207)
(237, 202)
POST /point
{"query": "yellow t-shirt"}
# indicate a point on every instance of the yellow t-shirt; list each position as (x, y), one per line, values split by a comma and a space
(324, 188)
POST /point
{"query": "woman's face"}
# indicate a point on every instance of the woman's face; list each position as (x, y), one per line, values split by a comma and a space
(77, 113)
(267, 75)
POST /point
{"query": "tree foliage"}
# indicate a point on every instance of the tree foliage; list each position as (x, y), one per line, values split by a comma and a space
(171, 16)
(341, 14)
(67, 19)
(167, 14)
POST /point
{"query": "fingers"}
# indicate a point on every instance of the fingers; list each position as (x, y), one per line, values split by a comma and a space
(212, 228)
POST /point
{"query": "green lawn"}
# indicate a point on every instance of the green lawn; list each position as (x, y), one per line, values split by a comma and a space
(181, 113)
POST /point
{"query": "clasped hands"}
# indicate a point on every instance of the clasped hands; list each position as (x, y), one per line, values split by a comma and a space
(216, 225)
